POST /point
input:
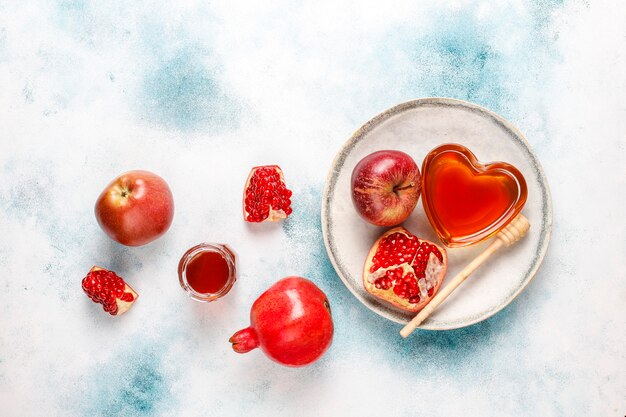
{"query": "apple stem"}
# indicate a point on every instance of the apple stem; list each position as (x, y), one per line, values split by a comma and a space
(396, 189)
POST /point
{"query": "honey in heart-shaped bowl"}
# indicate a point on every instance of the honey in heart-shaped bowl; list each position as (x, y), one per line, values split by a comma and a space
(466, 201)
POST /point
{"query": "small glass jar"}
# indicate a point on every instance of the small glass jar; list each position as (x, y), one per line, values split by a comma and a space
(202, 262)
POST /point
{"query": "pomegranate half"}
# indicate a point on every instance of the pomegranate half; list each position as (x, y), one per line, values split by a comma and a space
(404, 270)
(266, 197)
(290, 322)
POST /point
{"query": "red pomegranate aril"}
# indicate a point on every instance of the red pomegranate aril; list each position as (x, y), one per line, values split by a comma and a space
(384, 283)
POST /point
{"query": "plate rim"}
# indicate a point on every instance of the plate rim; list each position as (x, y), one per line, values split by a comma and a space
(415, 103)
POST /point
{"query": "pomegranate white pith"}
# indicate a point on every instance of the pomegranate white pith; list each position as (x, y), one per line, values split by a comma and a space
(265, 196)
(404, 270)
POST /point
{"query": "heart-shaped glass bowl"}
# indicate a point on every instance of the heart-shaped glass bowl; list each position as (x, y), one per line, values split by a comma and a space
(467, 201)
(416, 127)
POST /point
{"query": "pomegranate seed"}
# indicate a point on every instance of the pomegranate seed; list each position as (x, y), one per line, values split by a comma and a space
(414, 299)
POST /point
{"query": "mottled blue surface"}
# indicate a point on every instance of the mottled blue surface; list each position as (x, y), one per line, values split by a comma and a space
(182, 93)
(131, 384)
(200, 92)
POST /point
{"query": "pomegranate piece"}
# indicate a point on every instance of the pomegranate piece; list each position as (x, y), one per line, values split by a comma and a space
(266, 197)
(106, 288)
(403, 270)
(291, 322)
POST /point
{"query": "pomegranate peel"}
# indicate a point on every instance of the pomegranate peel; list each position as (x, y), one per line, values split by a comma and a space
(107, 288)
(266, 197)
(404, 270)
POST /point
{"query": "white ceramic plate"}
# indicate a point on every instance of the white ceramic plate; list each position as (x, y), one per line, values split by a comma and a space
(416, 127)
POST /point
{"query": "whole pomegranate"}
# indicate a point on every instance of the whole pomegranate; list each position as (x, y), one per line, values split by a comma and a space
(290, 322)
(403, 270)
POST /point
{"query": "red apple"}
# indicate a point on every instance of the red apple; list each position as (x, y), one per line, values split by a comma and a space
(386, 186)
(135, 208)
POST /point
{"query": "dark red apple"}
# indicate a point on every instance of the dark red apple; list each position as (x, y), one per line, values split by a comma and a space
(135, 208)
(386, 186)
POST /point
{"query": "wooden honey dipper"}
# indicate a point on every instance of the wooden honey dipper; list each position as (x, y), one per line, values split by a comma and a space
(511, 233)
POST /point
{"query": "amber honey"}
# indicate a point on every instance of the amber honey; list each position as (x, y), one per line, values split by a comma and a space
(207, 271)
(466, 201)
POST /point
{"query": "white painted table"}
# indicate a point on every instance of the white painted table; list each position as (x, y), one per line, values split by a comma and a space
(199, 93)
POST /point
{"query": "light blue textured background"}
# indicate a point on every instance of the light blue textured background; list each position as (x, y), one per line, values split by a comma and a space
(201, 91)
